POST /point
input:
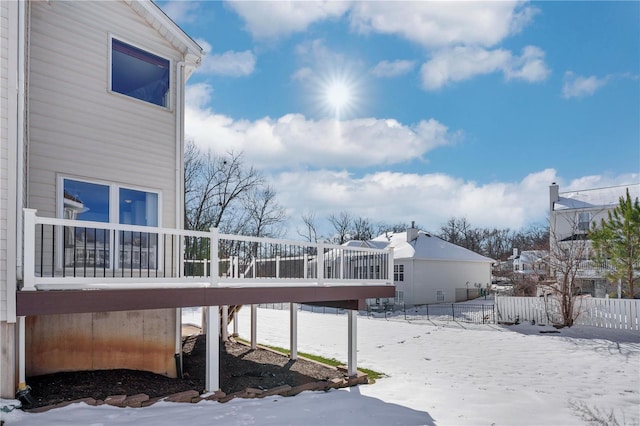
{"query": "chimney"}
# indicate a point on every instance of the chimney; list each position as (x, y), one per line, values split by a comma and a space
(554, 195)
(412, 233)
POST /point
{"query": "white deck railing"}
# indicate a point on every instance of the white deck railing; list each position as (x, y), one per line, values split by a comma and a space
(71, 254)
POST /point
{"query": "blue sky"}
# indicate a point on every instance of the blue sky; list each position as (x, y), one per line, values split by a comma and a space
(401, 111)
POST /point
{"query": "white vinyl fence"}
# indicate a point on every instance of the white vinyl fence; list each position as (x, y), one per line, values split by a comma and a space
(606, 313)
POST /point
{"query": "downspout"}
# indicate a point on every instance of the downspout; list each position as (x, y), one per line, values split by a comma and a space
(22, 25)
(179, 221)
(24, 391)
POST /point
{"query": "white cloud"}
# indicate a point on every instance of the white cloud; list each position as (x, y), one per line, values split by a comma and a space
(438, 24)
(302, 74)
(198, 95)
(429, 199)
(430, 24)
(229, 63)
(181, 11)
(576, 86)
(275, 19)
(393, 69)
(295, 141)
(530, 66)
(464, 62)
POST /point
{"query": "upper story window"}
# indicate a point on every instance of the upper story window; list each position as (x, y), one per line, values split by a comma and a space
(139, 74)
(584, 220)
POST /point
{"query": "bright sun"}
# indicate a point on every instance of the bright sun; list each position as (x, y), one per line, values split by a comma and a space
(339, 95)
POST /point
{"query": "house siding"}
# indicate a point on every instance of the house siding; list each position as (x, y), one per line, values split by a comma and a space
(76, 126)
(427, 277)
(4, 126)
(8, 50)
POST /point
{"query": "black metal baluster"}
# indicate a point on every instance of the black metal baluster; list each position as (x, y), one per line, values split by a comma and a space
(53, 251)
(41, 249)
(84, 260)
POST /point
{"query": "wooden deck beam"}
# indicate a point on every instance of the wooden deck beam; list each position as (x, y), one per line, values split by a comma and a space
(85, 301)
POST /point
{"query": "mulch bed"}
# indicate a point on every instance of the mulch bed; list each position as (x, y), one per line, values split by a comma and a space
(240, 368)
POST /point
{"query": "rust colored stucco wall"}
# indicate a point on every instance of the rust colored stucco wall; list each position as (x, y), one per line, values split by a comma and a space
(135, 340)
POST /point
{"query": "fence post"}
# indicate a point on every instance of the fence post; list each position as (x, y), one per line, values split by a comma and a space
(213, 257)
(453, 312)
(483, 314)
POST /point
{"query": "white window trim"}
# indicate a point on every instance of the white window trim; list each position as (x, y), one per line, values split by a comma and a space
(169, 106)
(114, 208)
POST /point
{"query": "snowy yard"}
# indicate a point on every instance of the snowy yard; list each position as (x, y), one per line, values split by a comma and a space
(438, 374)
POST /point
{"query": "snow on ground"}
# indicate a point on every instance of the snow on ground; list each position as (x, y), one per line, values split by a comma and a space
(437, 374)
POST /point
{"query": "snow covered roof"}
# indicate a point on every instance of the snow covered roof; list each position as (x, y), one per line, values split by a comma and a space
(427, 247)
(532, 256)
(593, 198)
(368, 244)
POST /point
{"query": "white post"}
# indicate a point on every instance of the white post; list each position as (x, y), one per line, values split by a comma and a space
(22, 380)
(305, 262)
(293, 330)
(213, 257)
(320, 263)
(352, 366)
(212, 376)
(225, 323)
(29, 266)
(254, 326)
(341, 264)
(278, 266)
(390, 278)
(235, 321)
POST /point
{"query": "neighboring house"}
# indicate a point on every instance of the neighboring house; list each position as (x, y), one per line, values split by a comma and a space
(91, 198)
(571, 215)
(428, 269)
(530, 262)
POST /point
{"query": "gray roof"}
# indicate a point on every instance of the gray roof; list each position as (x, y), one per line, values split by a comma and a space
(595, 198)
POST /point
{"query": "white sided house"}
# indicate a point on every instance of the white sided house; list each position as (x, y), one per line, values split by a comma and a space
(571, 215)
(427, 269)
(91, 198)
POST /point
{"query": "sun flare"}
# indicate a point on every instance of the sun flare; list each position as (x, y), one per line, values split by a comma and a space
(339, 95)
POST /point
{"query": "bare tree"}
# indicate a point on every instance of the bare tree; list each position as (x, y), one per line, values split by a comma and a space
(363, 229)
(214, 187)
(568, 250)
(264, 215)
(341, 223)
(310, 232)
(459, 231)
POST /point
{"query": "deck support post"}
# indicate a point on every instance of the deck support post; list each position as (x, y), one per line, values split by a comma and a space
(293, 331)
(22, 380)
(225, 323)
(235, 322)
(212, 376)
(254, 326)
(352, 366)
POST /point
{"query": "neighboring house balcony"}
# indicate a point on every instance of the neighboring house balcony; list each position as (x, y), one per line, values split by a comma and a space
(162, 267)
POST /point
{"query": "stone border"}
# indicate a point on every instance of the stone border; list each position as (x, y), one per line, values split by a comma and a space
(193, 396)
